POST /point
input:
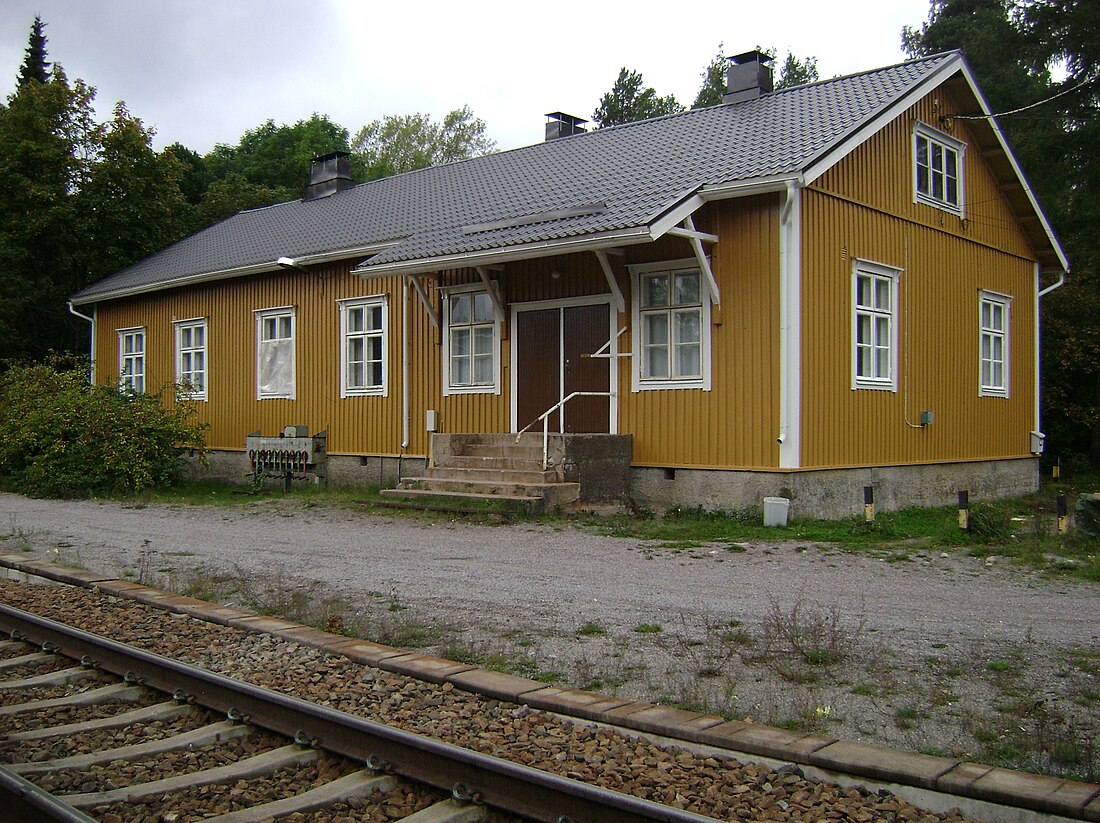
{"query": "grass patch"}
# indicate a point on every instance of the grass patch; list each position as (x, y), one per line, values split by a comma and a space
(648, 628)
(590, 629)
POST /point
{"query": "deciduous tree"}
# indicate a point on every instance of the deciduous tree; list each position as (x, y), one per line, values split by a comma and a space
(400, 143)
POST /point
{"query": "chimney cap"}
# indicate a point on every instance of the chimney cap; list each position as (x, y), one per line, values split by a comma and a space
(566, 118)
(754, 56)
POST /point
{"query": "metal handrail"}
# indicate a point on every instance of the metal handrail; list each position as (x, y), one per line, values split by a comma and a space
(545, 418)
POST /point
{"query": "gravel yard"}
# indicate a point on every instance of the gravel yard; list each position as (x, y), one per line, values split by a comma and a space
(942, 653)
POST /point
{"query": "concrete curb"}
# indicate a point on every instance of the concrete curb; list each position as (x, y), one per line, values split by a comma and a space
(1038, 793)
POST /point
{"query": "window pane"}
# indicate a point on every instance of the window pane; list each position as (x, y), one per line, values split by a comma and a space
(882, 294)
(655, 290)
(656, 361)
(863, 329)
(689, 361)
(460, 342)
(460, 309)
(882, 363)
(687, 288)
(460, 371)
(483, 341)
(200, 336)
(656, 329)
(355, 375)
(882, 331)
(374, 349)
(483, 308)
(355, 349)
(355, 319)
(687, 327)
(374, 318)
(284, 327)
(376, 374)
(483, 369)
(863, 290)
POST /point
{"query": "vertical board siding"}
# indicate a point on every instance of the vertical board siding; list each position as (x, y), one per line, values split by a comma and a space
(938, 339)
(734, 424)
(864, 208)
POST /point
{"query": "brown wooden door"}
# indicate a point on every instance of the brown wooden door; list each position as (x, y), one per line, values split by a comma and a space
(550, 364)
(585, 332)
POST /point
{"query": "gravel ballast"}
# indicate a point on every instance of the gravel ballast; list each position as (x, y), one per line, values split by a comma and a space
(707, 784)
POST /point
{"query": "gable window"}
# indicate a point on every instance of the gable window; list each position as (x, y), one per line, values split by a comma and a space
(937, 169)
(362, 353)
(874, 326)
(191, 358)
(671, 326)
(131, 359)
(993, 365)
(471, 343)
(275, 353)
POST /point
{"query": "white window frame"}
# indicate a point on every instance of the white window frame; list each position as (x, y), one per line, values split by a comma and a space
(877, 273)
(450, 388)
(946, 144)
(992, 333)
(181, 350)
(261, 316)
(346, 335)
(638, 273)
(129, 377)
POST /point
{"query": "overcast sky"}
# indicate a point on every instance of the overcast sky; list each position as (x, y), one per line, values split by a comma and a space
(203, 71)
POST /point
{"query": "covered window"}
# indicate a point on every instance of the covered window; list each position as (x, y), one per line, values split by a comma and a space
(993, 365)
(937, 169)
(191, 357)
(131, 359)
(472, 342)
(275, 353)
(362, 354)
(672, 326)
(874, 326)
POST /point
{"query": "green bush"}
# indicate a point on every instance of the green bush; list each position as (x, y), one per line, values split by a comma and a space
(63, 437)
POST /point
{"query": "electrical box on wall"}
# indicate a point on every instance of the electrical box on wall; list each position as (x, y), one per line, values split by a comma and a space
(431, 420)
(927, 418)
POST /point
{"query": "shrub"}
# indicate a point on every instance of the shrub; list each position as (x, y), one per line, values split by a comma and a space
(64, 437)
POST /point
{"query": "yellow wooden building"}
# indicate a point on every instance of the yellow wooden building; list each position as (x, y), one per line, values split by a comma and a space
(797, 293)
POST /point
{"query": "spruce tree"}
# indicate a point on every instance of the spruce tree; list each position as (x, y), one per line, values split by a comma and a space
(34, 64)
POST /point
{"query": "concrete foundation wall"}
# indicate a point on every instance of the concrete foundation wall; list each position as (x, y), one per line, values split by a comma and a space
(339, 471)
(837, 493)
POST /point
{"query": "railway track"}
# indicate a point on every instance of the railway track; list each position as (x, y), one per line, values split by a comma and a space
(209, 747)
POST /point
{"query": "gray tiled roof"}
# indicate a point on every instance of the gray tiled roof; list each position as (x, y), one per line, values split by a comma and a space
(637, 171)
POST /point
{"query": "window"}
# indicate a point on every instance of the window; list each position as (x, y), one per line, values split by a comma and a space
(672, 326)
(874, 326)
(993, 366)
(275, 353)
(937, 169)
(362, 353)
(471, 343)
(191, 357)
(131, 359)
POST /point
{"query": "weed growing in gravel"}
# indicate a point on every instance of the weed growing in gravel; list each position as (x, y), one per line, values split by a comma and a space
(648, 628)
(591, 629)
(792, 639)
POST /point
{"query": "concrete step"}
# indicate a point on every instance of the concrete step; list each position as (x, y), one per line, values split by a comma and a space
(508, 450)
(467, 503)
(489, 474)
(554, 494)
(468, 461)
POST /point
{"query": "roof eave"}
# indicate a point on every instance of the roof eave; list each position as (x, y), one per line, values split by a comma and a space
(506, 254)
(228, 274)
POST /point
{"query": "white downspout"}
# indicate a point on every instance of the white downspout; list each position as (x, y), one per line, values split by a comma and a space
(404, 363)
(91, 345)
(1039, 295)
(790, 329)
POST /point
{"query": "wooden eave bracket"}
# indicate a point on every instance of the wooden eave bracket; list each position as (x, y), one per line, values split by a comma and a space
(612, 283)
(494, 291)
(696, 238)
(433, 315)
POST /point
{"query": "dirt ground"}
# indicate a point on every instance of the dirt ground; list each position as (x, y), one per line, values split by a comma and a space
(940, 652)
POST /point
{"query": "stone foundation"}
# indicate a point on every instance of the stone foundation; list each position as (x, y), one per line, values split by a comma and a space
(834, 493)
(340, 470)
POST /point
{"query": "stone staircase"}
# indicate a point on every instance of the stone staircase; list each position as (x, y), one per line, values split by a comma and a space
(483, 468)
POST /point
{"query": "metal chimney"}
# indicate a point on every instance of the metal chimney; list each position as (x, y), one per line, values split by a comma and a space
(561, 124)
(748, 76)
(329, 174)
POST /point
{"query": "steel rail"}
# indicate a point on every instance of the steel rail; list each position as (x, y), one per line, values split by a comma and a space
(498, 783)
(25, 801)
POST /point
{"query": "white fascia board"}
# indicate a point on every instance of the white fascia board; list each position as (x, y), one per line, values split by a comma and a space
(996, 128)
(228, 274)
(875, 122)
(746, 188)
(675, 215)
(548, 248)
